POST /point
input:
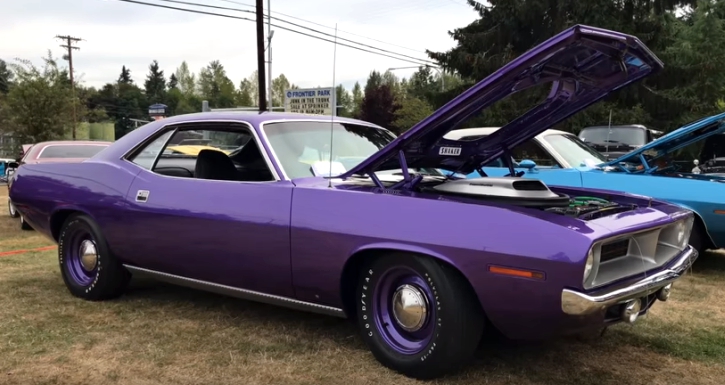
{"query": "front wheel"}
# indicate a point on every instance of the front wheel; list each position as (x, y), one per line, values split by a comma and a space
(417, 316)
(88, 268)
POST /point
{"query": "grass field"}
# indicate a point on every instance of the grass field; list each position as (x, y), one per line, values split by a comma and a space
(159, 334)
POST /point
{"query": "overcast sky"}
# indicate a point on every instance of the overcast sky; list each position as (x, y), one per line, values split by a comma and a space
(117, 33)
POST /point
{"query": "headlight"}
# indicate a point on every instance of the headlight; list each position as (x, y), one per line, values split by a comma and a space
(683, 233)
(589, 266)
(678, 234)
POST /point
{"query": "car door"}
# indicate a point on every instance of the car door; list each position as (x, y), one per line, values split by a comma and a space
(229, 232)
(547, 168)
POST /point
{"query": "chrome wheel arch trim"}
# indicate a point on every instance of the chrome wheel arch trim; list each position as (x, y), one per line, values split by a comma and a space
(236, 292)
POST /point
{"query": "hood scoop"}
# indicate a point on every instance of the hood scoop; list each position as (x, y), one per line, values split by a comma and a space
(508, 190)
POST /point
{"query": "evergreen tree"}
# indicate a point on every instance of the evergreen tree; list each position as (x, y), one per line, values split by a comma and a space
(155, 84)
(125, 76)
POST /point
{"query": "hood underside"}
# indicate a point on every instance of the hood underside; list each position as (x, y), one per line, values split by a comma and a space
(583, 64)
(675, 140)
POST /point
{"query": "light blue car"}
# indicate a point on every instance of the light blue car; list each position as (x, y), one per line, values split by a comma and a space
(561, 158)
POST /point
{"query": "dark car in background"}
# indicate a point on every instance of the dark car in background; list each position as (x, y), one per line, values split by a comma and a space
(61, 151)
(615, 141)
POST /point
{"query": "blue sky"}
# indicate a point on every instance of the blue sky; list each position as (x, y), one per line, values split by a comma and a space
(118, 33)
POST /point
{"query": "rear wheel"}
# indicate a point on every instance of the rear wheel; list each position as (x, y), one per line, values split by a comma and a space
(418, 317)
(24, 225)
(88, 268)
(11, 210)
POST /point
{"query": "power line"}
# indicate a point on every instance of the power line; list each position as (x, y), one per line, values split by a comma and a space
(69, 45)
(296, 25)
(417, 61)
(327, 26)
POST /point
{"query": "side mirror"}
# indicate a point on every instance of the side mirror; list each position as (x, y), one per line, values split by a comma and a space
(527, 164)
(13, 165)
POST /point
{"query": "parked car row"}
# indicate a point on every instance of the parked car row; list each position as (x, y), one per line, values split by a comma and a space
(341, 217)
(63, 151)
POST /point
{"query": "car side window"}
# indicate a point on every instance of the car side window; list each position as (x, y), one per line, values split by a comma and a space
(146, 157)
(533, 151)
(212, 151)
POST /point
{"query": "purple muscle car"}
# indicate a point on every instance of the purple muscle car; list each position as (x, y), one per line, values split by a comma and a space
(338, 216)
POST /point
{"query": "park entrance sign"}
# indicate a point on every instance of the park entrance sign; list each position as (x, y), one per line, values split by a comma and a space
(319, 101)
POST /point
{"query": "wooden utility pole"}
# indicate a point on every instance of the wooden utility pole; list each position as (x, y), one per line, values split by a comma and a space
(69, 40)
(261, 73)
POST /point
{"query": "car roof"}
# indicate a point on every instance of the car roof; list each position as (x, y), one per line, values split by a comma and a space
(62, 142)
(254, 117)
(457, 134)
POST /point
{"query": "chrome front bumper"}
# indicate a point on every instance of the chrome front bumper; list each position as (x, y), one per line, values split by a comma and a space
(576, 303)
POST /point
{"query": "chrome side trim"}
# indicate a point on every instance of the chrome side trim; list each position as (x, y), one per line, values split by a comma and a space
(235, 292)
(576, 303)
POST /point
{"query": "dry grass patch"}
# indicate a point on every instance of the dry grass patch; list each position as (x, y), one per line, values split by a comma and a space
(160, 334)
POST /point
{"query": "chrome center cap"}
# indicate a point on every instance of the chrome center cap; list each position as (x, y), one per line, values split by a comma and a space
(410, 307)
(88, 254)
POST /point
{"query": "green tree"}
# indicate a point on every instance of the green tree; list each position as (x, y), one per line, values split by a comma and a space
(187, 80)
(379, 106)
(40, 103)
(279, 85)
(374, 81)
(125, 76)
(215, 86)
(357, 98)
(694, 62)
(412, 111)
(507, 29)
(344, 100)
(173, 81)
(244, 96)
(6, 77)
(155, 84)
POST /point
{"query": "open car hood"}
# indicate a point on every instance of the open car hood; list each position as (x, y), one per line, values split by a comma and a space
(582, 63)
(688, 134)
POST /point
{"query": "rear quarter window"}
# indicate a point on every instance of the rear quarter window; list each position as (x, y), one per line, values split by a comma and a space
(70, 151)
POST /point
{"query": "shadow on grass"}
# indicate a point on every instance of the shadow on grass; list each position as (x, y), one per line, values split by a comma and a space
(496, 359)
(154, 321)
(710, 263)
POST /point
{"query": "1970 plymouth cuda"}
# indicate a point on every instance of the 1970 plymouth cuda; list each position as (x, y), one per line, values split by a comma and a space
(421, 262)
(559, 158)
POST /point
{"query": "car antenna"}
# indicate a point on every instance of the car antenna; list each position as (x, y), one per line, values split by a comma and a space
(334, 102)
(609, 131)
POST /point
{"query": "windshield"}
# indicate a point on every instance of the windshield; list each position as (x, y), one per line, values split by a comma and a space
(298, 145)
(574, 150)
(616, 135)
(71, 151)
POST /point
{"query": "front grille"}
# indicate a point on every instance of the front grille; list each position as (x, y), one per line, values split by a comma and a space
(614, 250)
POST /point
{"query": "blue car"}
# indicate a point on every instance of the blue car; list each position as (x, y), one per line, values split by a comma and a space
(561, 158)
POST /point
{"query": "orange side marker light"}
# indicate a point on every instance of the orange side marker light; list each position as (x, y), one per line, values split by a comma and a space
(516, 272)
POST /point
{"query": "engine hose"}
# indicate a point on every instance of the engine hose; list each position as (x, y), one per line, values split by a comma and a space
(583, 200)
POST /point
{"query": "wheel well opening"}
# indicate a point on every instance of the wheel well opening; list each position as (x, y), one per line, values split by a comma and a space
(351, 272)
(57, 221)
(700, 226)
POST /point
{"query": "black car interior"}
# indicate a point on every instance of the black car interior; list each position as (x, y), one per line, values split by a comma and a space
(245, 164)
